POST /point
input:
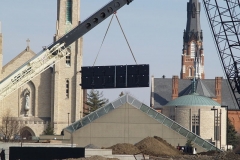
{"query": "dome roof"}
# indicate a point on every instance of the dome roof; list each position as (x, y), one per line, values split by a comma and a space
(192, 100)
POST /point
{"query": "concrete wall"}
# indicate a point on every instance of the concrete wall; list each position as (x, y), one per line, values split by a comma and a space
(125, 124)
(183, 115)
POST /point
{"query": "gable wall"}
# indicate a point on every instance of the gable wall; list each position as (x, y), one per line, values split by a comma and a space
(16, 63)
(125, 124)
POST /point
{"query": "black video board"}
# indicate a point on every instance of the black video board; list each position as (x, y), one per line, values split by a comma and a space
(120, 76)
(46, 153)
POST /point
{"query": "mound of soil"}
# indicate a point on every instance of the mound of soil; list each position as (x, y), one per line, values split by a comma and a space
(227, 156)
(156, 147)
(97, 158)
(166, 143)
(124, 148)
(209, 153)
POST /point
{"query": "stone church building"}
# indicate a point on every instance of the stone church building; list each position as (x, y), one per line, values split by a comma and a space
(54, 96)
(191, 100)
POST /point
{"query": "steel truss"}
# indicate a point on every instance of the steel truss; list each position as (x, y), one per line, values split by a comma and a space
(223, 17)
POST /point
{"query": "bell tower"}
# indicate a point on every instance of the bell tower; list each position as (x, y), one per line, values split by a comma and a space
(192, 64)
(67, 95)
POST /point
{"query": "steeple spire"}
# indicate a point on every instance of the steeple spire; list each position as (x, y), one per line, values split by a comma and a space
(193, 27)
(192, 53)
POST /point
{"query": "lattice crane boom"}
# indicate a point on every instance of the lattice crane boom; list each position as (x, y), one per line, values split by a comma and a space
(223, 17)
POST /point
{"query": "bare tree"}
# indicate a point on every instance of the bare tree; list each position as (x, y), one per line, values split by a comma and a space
(10, 126)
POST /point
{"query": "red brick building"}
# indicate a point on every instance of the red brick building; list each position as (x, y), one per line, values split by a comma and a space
(234, 116)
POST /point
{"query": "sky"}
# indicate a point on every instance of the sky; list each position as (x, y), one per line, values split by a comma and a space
(154, 29)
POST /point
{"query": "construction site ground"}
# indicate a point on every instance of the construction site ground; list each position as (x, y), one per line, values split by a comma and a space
(159, 149)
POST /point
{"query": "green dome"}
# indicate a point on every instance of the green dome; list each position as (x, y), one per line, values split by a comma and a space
(192, 100)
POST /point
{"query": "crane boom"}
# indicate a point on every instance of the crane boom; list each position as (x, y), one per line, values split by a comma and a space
(223, 17)
(57, 50)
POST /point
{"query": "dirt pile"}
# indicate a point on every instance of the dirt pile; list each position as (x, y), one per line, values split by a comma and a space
(156, 147)
(221, 155)
(96, 158)
(153, 146)
(167, 144)
(124, 148)
(159, 149)
(209, 153)
(207, 156)
(227, 156)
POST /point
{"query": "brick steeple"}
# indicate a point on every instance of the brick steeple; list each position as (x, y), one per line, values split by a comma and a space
(192, 53)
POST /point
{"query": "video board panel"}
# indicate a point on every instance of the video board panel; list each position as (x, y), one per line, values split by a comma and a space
(120, 76)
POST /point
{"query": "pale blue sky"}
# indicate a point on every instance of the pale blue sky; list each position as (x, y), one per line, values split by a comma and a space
(154, 29)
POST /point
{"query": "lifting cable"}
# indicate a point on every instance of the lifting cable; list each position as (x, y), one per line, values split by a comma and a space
(123, 35)
(103, 40)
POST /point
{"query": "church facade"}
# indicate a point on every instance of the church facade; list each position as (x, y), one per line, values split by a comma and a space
(54, 97)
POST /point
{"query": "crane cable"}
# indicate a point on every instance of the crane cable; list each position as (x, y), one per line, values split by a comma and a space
(123, 35)
(103, 40)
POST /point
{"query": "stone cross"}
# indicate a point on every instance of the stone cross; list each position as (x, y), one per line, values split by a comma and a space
(28, 41)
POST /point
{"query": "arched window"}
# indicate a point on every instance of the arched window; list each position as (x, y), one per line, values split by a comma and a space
(67, 88)
(190, 72)
(69, 11)
(193, 49)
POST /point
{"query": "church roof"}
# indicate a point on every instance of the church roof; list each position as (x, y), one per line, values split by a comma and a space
(201, 88)
(193, 26)
(193, 100)
(162, 93)
(193, 16)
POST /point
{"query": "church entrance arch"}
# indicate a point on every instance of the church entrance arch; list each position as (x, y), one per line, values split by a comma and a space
(27, 133)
